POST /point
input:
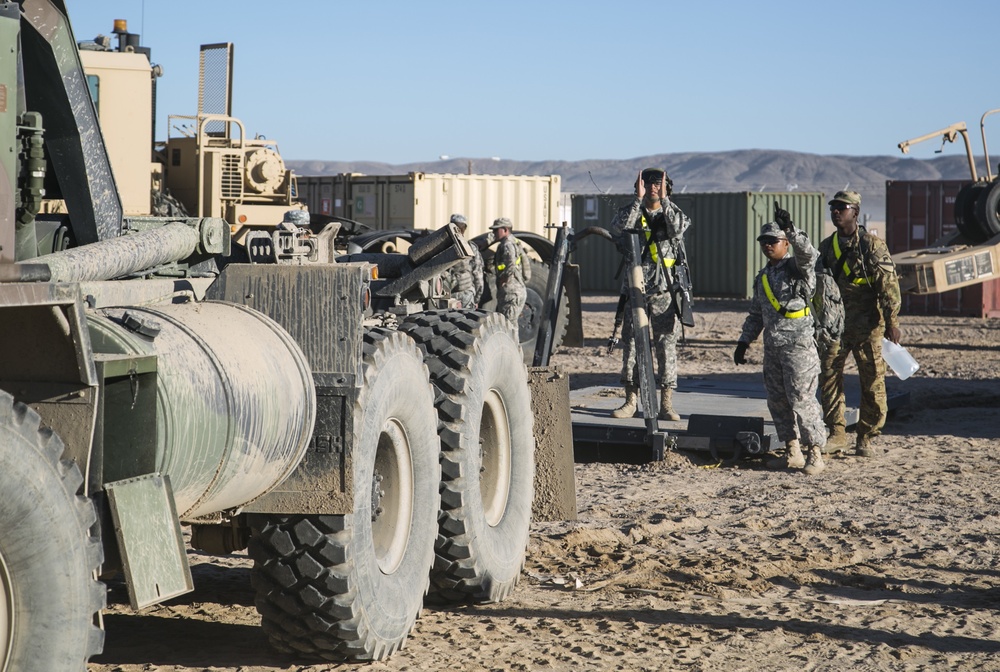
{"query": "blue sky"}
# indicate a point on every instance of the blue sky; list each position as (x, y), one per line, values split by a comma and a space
(404, 82)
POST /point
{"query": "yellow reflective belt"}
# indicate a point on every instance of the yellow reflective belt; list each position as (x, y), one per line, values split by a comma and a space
(847, 270)
(653, 252)
(774, 302)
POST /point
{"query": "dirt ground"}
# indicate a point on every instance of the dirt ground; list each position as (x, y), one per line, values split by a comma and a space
(884, 564)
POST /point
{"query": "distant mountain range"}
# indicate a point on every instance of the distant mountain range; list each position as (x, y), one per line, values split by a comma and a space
(739, 170)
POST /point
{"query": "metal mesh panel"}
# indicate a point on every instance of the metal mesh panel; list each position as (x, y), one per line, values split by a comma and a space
(215, 90)
(232, 177)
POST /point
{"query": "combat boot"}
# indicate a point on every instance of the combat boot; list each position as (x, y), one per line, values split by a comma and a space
(628, 409)
(814, 461)
(793, 459)
(836, 442)
(863, 446)
(666, 405)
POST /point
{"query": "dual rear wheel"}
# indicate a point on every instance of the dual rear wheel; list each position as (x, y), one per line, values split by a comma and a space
(447, 515)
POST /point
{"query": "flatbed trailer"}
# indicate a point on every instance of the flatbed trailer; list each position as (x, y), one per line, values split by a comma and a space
(719, 416)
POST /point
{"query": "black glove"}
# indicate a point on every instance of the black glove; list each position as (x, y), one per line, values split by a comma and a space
(783, 219)
(740, 356)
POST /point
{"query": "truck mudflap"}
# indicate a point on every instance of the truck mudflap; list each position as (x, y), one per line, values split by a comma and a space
(555, 482)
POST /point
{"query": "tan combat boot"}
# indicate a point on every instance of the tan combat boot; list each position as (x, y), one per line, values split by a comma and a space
(793, 459)
(863, 446)
(814, 461)
(836, 442)
(666, 405)
(628, 409)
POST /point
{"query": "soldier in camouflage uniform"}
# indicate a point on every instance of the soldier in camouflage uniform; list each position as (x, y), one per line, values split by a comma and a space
(512, 270)
(465, 279)
(863, 268)
(780, 309)
(652, 211)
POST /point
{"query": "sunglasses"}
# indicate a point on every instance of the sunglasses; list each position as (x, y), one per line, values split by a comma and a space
(840, 206)
(766, 242)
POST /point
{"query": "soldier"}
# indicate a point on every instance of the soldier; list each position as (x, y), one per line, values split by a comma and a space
(512, 270)
(864, 271)
(465, 279)
(780, 308)
(664, 225)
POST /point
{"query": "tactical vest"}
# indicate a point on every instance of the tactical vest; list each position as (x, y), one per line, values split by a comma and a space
(849, 275)
(521, 270)
(461, 275)
(782, 310)
(654, 252)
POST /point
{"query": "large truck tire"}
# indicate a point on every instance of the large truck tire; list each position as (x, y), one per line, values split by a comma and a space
(966, 218)
(988, 209)
(350, 587)
(48, 557)
(529, 321)
(487, 462)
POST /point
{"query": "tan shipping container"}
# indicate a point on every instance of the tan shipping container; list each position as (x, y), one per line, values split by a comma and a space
(427, 200)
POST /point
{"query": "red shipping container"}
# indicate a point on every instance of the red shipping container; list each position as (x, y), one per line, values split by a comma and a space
(918, 214)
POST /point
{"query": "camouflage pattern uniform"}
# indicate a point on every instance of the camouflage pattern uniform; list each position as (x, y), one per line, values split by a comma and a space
(791, 363)
(512, 270)
(658, 277)
(870, 290)
(466, 279)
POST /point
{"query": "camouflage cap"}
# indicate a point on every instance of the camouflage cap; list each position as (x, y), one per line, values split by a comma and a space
(459, 220)
(771, 230)
(502, 223)
(849, 197)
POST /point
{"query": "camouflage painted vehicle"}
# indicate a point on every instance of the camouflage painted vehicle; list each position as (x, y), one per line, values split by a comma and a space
(366, 448)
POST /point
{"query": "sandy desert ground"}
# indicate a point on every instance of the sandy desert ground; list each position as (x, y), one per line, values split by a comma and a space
(885, 564)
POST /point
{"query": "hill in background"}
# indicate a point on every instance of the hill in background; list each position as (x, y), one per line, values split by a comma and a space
(734, 171)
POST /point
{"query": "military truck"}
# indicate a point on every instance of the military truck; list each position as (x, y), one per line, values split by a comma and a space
(365, 450)
(971, 255)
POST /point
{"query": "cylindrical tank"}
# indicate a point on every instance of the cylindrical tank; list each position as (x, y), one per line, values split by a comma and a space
(236, 402)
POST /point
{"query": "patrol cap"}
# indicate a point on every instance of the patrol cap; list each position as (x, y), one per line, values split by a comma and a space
(502, 223)
(849, 197)
(771, 230)
(459, 220)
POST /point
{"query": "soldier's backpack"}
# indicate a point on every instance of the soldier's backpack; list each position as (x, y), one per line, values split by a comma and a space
(827, 309)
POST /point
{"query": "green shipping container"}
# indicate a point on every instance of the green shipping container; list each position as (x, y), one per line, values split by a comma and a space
(721, 244)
